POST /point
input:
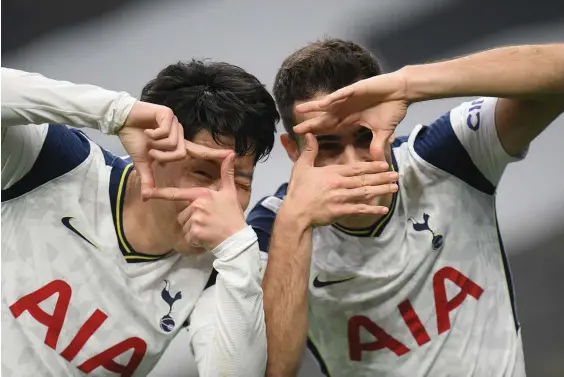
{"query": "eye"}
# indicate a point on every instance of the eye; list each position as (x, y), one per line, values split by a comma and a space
(243, 186)
(202, 173)
(330, 149)
(364, 139)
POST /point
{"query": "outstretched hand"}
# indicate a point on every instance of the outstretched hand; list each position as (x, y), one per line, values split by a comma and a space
(212, 216)
(378, 103)
(326, 194)
(152, 133)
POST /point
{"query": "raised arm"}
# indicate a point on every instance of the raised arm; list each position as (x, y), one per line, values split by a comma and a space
(31, 101)
(528, 80)
(30, 98)
(316, 196)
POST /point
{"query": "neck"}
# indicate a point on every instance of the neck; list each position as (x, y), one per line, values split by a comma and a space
(147, 224)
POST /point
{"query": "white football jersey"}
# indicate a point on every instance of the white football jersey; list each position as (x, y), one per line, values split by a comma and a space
(427, 290)
(76, 297)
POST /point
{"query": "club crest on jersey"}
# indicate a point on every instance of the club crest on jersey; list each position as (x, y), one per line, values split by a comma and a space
(437, 241)
(167, 323)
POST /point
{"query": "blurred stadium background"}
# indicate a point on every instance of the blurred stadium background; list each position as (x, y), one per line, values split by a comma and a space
(121, 44)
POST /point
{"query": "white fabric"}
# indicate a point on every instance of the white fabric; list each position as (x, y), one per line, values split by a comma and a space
(404, 282)
(102, 299)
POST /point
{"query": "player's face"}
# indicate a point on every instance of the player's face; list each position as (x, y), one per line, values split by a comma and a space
(195, 172)
(350, 146)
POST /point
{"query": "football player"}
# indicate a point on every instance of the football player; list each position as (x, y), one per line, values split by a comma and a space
(425, 289)
(96, 278)
(98, 274)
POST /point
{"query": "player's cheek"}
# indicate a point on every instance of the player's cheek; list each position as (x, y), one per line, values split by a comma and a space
(244, 197)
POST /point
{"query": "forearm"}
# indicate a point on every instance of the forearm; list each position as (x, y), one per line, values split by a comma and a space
(524, 72)
(285, 288)
(238, 335)
(30, 98)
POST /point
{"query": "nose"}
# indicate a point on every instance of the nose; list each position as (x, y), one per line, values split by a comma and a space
(351, 155)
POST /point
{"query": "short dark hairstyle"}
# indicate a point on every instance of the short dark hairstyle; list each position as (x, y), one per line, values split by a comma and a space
(220, 98)
(323, 66)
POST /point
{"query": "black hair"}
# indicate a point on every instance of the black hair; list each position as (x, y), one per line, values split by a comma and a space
(220, 98)
(323, 66)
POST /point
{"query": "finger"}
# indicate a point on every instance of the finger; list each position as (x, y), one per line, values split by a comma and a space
(186, 226)
(186, 214)
(228, 173)
(361, 168)
(146, 176)
(180, 142)
(366, 193)
(355, 209)
(169, 143)
(177, 194)
(167, 156)
(164, 118)
(206, 153)
(325, 122)
(366, 180)
(331, 99)
(379, 144)
(309, 153)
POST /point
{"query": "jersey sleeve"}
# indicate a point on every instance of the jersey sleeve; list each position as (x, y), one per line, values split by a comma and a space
(228, 333)
(465, 143)
(30, 98)
(34, 152)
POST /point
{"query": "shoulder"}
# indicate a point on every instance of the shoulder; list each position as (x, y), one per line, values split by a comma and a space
(62, 151)
(262, 215)
(439, 146)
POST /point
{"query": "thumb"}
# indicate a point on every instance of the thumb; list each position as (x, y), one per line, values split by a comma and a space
(228, 172)
(310, 150)
(146, 175)
(379, 144)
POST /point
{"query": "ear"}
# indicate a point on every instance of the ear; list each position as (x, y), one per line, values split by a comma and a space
(291, 146)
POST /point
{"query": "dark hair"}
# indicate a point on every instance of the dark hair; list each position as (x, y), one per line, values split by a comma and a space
(322, 66)
(220, 98)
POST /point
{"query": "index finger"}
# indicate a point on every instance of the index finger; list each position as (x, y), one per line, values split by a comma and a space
(325, 122)
(206, 153)
(324, 103)
(178, 194)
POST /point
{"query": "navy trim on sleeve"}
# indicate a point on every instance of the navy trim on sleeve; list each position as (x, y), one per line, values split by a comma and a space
(438, 145)
(62, 151)
(262, 219)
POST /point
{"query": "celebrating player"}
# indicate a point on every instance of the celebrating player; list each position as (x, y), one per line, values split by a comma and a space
(96, 279)
(424, 290)
(98, 275)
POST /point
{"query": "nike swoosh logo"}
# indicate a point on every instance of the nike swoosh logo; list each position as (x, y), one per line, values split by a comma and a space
(320, 284)
(66, 222)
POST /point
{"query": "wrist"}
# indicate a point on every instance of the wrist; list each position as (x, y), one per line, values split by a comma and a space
(293, 214)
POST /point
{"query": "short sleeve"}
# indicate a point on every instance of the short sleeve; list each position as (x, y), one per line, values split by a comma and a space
(464, 142)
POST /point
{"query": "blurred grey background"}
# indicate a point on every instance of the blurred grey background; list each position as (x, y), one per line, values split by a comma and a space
(121, 44)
